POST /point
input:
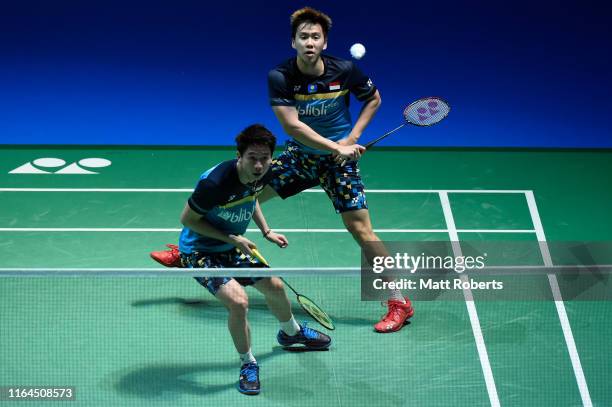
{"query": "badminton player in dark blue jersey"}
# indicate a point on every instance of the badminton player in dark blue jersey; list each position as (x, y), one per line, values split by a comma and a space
(310, 95)
(215, 219)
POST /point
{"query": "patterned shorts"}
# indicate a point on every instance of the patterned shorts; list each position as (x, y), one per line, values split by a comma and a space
(295, 171)
(230, 259)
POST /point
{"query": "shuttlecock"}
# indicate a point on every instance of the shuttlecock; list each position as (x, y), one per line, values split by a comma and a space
(358, 51)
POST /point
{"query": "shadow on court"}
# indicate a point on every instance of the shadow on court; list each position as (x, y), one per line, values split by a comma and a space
(213, 309)
(173, 380)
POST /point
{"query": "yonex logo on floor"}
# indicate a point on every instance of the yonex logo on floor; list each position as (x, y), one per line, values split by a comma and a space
(58, 166)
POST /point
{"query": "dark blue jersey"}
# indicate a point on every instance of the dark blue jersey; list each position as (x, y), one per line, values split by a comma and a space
(225, 203)
(322, 102)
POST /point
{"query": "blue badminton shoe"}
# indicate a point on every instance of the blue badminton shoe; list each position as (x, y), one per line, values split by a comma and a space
(249, 379)
(310, 338)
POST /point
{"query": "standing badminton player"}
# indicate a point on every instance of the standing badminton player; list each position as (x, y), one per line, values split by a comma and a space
(310, 94)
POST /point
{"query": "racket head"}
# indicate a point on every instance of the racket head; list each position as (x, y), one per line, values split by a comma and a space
(426, 111)
(315, 312)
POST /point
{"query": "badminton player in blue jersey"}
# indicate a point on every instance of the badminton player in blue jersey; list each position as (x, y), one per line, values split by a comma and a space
(309, 94)
(215, 219)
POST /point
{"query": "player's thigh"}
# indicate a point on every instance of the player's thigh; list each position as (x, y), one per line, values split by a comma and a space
(232, 295)
(291, 173)
(343, 186)
(270, 286)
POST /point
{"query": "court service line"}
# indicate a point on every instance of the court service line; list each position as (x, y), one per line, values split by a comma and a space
(281, 230)
(182, 190)
(554, 286)
(471, 306)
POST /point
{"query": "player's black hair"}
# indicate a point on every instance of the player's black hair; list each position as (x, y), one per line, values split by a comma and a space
(255, 134)
(310, 15)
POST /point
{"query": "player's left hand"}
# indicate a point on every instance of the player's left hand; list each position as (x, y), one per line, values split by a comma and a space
(277, 238)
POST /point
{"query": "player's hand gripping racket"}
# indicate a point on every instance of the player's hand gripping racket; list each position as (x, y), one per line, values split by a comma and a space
(423, 112)
(306, 303)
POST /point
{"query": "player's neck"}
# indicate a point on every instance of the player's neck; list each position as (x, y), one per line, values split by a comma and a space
(243, 176)
(315, 69)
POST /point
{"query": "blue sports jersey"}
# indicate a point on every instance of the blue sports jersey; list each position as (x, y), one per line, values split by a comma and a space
(225, 203)
(322, 102)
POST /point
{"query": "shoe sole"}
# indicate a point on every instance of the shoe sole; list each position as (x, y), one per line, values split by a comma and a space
(400, 326)
(248, 392)
(297, 346)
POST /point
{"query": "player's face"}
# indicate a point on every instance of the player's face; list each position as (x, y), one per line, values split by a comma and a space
(309, 42)
(255, 162)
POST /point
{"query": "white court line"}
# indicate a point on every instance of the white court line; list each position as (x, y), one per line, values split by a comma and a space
(554, 286)
(281, 230)
(471, 306)
(371, 191)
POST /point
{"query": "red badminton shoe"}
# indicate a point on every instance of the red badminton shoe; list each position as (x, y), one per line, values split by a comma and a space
(168, 258)
(396, 317)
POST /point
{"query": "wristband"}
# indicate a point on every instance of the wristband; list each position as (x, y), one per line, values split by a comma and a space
(267, 232)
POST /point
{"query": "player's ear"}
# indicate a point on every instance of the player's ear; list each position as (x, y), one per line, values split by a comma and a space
(293, 43)
(325, 44)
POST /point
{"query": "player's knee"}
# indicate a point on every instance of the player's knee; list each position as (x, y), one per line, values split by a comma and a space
(273, 286)
(239, 304)
(276, 286)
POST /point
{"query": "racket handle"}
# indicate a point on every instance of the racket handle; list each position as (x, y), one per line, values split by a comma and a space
(260, 257)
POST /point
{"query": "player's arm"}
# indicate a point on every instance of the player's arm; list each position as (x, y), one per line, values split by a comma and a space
(266, 231)
(289, 120)
(200, 225)
(369, 109)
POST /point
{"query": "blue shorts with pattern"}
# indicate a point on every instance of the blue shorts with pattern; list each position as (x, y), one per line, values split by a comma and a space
(230, 259)
(295, 171)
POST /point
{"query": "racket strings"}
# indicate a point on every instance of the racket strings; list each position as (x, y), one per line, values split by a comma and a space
(426, 111)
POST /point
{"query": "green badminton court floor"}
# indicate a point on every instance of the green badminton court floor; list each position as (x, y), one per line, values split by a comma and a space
(160, 340)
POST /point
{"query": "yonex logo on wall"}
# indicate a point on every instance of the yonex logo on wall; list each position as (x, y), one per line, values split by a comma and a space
(58, 166)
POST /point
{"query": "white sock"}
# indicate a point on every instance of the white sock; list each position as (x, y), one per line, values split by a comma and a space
(290, 327)
(247, 357)
(397, 296)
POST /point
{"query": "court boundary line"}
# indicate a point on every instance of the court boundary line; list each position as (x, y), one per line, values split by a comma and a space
(559, 305)
(481, 347)
(282, 230)
(312, 190)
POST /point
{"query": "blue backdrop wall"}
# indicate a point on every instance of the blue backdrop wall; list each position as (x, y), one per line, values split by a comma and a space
(517, 73)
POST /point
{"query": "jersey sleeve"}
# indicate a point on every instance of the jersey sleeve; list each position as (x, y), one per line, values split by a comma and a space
(205, 197)
(360, 85)
(278, 90)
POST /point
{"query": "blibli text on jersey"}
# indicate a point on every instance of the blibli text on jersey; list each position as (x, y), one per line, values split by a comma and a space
(236, 217)
(318, 108)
